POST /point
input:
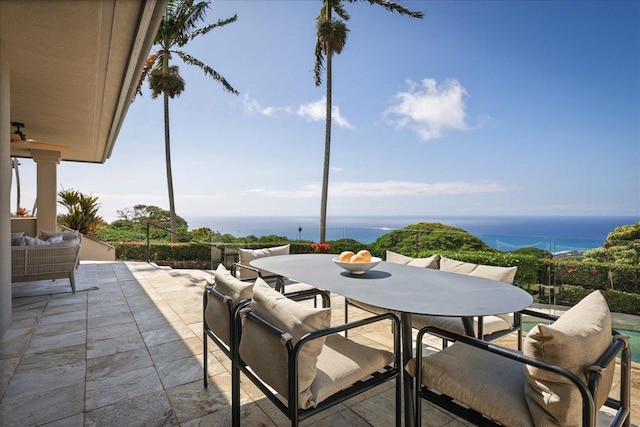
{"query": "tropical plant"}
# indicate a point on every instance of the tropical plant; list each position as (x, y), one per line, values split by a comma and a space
(331, 37)
(622, 246)
(82, 212)
(178, 27)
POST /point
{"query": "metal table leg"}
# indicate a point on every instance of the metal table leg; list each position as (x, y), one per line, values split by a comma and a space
(407, 380)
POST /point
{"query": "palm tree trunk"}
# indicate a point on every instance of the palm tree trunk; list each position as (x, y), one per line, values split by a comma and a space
(167, 152)
(327, 142)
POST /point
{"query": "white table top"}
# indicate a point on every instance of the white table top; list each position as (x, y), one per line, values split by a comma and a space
(403, 288)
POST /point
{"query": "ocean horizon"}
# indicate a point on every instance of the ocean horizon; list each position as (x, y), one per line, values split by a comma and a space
(556, 234)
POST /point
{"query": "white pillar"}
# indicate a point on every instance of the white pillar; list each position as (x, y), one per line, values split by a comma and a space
(5, 195)
(46, 191)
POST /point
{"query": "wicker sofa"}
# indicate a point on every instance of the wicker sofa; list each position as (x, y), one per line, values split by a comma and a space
(56, 260)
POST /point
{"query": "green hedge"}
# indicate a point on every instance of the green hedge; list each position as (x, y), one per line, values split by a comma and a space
(619, 302)
(591, 274)
(163, 251)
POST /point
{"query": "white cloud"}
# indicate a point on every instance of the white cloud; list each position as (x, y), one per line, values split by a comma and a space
(428, 109)
(387, 189)
(316, 111)
(252, 106)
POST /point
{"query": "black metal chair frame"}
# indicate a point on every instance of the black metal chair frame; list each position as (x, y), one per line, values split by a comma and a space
(280, 285)
(468, 326)
(292, 411)
(620, 345)
(231, 351)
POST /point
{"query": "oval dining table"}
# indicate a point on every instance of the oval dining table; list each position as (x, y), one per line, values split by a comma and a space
(405, 289)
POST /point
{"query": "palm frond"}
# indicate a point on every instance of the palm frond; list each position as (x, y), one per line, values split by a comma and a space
(339, 9)
(188, 59)
(393, 6)
(319, 63)
(205, 30)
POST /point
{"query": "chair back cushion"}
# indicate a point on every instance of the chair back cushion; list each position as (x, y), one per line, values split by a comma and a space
(502, 274)
(575, 341)
(266, 354)
(248, 255)
(429, 262)
(217, 312)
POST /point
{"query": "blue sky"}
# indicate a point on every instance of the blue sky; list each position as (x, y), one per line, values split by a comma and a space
(480, 108)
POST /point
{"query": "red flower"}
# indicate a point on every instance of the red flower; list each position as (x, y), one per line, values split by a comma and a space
(321, 247)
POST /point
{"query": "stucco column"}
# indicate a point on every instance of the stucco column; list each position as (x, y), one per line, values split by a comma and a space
(47, 181)
(5, 195)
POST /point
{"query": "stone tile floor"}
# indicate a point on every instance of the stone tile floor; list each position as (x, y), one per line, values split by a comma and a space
(126, 350)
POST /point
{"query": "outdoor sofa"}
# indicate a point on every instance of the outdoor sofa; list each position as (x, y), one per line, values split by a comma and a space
(49, 256)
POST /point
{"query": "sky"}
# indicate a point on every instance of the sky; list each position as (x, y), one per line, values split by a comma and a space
(480, 108)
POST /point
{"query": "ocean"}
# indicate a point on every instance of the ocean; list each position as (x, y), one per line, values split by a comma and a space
(556, 234)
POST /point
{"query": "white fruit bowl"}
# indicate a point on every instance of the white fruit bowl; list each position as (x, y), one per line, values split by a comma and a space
(357, 267)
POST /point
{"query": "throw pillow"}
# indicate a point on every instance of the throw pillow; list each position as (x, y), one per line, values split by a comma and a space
(231, 286)
(34, 241)
(17, 238)
(575, 341)
(66, 235)
(265, 352)
(217, 311)
(429, 262)
(248, 255)
(54, 239)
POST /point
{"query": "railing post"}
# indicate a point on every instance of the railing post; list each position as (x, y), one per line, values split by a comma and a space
(148, 243)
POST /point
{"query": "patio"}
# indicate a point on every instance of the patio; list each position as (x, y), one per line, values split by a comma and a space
(126, 349)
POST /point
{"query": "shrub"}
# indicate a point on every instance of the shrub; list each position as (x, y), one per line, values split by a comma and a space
(618, 301)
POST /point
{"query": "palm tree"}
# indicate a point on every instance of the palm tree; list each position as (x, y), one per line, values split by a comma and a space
(178, 27)
(331, 38)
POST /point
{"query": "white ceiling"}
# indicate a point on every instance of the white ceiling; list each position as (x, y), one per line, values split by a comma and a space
(74, 68)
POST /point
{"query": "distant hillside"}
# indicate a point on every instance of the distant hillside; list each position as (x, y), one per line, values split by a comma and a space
(429, 236)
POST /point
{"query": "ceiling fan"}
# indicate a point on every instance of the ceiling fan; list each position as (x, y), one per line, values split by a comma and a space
(18, 132)
(19, 139)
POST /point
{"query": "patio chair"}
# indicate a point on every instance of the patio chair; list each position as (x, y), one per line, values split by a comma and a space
(562, 378)
(244, 271)
(300, 363)
(487, 328)
(430, 262)
(221, 300)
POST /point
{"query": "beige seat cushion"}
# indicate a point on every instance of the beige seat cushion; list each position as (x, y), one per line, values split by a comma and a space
(490, 324)
(430, 262)
(575, 341)
(248, 255)
(488, 383)
(217, 312)
(343, 362)
(266, 353)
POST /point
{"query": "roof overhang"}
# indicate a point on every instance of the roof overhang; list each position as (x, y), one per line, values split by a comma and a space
(75, 66)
